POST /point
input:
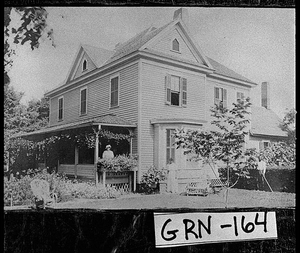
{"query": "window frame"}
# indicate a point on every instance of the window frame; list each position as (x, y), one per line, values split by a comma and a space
(182, 93)
(86, 65)
(242, 96)
(170, 147)
(222, 95)
(110, 91)
(60, 109)
(80, 101)
(172, 45)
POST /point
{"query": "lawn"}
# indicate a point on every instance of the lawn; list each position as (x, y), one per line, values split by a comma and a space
(237, 198)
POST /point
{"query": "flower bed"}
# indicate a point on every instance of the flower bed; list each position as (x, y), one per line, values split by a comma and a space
(17, 191)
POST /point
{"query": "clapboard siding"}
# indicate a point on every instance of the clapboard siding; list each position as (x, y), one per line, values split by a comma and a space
(98, 98)
(153, 103)
(164, 45)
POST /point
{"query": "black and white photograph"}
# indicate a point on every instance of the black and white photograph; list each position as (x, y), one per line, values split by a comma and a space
(149, 129)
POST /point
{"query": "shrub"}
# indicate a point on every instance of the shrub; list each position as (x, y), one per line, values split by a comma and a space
(151, 178)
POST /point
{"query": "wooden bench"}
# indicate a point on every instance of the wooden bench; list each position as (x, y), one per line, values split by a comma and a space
(197, 188)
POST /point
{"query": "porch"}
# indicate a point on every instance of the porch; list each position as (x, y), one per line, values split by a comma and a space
(76, 147)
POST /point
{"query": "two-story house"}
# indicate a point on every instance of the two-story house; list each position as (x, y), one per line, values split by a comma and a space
(150, 85)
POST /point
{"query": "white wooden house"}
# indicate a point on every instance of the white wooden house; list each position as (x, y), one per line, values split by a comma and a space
(152, 84)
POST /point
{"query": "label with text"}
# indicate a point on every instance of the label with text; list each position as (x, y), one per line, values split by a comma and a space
(182, 229)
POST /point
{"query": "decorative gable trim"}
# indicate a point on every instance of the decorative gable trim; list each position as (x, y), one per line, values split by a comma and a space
(188, 38)
(81, 54)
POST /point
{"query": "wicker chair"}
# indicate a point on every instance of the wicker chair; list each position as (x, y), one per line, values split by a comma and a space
(41, 192)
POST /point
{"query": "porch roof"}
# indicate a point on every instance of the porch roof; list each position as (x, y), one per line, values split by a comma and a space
(105, 120)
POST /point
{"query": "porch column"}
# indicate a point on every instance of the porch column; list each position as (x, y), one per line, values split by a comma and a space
(76, 159)
(96, 154)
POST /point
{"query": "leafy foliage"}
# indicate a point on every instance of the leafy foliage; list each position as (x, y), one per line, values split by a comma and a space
(288, 125)
(118, 163)
(151, 178)
(224, 144)
(280, 154)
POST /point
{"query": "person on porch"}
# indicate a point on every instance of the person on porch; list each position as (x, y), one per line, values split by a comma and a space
(172, 183)
(108, 154)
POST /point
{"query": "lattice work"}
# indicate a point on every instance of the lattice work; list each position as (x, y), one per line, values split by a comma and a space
(120, 186)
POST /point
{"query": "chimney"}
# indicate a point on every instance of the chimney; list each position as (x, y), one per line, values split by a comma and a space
(265, 95)
(182, 14)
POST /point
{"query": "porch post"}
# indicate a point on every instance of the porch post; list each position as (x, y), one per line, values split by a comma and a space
(96, 154)
(76, 159)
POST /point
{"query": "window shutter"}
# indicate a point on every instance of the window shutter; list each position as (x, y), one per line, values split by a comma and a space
(216, 96)
(224, 98)
(261, 145)
(168, 89)
(183, 88)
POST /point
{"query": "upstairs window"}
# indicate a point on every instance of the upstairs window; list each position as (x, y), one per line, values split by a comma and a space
(239, 96)
(176, 90)
(114, 91)
(175, 45)
(60, 108)
(83, 101)
(220, 97)
(170, 146)
(84, 65)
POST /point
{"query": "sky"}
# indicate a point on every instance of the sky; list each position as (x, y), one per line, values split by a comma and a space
(258, 43)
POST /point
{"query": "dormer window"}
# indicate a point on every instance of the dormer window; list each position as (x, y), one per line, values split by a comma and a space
(175, 45)
(84, 65)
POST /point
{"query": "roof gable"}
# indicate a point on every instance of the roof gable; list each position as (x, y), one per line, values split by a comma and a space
(165, 45)
(177, 29)
(94, 56)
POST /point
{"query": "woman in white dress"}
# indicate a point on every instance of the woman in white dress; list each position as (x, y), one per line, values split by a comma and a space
(172, 184)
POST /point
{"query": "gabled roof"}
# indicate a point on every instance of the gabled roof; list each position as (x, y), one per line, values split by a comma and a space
(102, 57)
(224, 71)
(265, 122)
(136, 42)
(98, 55)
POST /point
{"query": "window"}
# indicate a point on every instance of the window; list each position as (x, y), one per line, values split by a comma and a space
(60, 108)
(239, 96)
(84, 65)
(220, 96)
(175, 45)
(170, 145)
(176, 91)
(263, 145)
(114, 91)
(83, 101)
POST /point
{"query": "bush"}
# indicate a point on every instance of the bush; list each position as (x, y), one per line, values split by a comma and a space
(17, 191)
(150, 180)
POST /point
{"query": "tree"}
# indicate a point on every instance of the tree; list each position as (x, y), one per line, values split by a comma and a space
(224, 145)
(288, 125)
(32, 27)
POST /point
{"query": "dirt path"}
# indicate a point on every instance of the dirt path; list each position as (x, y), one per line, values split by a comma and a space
(236, 198)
